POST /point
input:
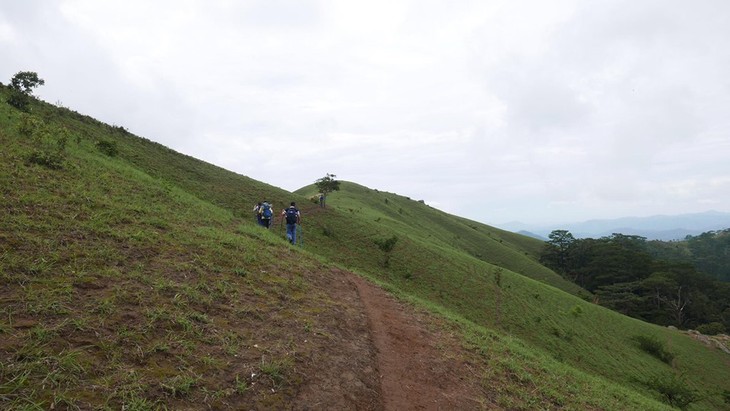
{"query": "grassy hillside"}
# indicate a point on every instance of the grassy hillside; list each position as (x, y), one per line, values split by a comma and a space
(412, 219)
(471, 270)
(134, 276)
(119, 290)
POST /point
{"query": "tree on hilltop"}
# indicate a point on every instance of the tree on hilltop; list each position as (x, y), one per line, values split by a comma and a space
(557, 250)
(21, 88)
(26, 81)
(326, 185)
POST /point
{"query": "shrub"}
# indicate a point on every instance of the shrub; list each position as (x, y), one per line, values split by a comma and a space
(386, 245)
(29, 125)
(49, 159)
(18, 100)
(108, 147)
(674, 390)
(50, 142)
(576, 311)
(712, 328)
(21, 88)
(653, 346)
(328, 232)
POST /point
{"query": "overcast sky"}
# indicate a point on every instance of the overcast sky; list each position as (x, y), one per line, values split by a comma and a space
(497, 111)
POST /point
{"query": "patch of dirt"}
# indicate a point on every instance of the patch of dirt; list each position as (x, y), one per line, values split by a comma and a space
(416, 365)
(345, 376)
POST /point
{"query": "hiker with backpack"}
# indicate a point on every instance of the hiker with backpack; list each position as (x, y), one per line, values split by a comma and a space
(257, 213)
(266, 213)
(293, 218)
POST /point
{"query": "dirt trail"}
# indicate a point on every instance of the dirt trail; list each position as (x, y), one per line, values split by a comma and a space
(382, 354)
(419, 368)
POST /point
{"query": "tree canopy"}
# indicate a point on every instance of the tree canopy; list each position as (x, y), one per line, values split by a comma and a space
(26, 81)
(327, 184)
(624, 275)
(21, 87)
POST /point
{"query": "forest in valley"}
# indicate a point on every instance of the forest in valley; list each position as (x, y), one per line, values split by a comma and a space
(685, 283)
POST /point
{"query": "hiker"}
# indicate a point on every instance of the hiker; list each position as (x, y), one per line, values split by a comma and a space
(266, 213)
(257, 213)
(321, 200)
(292, 217)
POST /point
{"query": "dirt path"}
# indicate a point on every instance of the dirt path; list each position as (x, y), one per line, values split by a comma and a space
(420, 368)
(381, 354)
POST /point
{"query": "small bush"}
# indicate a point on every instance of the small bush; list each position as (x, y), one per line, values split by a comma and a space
(674, 390)
(49, 141)
(653, 346)
(18, 100)
(713, 328)
(29, 125)
(52, 160)
(108, 147)
(386, 246)
(576, 311)
(328, 232)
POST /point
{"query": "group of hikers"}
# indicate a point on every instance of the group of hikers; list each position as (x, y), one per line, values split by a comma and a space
(264, 212)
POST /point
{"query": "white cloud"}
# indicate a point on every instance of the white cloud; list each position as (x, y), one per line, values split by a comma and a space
(500, 110)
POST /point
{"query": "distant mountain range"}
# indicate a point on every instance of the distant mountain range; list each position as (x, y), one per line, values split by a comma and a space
(658, 227)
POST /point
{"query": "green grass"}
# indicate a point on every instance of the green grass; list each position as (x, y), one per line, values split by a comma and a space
(121, 290)
(492, 282)
(139, 280)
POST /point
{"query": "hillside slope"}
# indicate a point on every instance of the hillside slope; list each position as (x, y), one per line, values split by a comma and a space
(450, 263)
(136, 277)
(414, 219)
(122, 291)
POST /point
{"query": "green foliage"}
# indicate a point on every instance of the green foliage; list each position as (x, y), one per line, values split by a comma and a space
(327, 184)
(654, 347)
(49, 141)
(624, 275)
(710, 253)
(712, 328)
(18, 100)
(556, 252)
(108, 147)
(674, 390)
(386, 245)
(30, 125)
(576, 311)
(21, 88)
(328, 231)
(49, 159)
(180, 385)
(26, 81)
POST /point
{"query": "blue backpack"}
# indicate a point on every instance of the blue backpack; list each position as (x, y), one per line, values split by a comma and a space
(291, 215)
(266, 211)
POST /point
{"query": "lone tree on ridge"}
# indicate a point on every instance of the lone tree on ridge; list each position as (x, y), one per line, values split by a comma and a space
(326, 185)
(21, 86)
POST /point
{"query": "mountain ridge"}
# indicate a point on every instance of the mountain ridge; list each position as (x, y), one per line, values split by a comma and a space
(656, 227)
